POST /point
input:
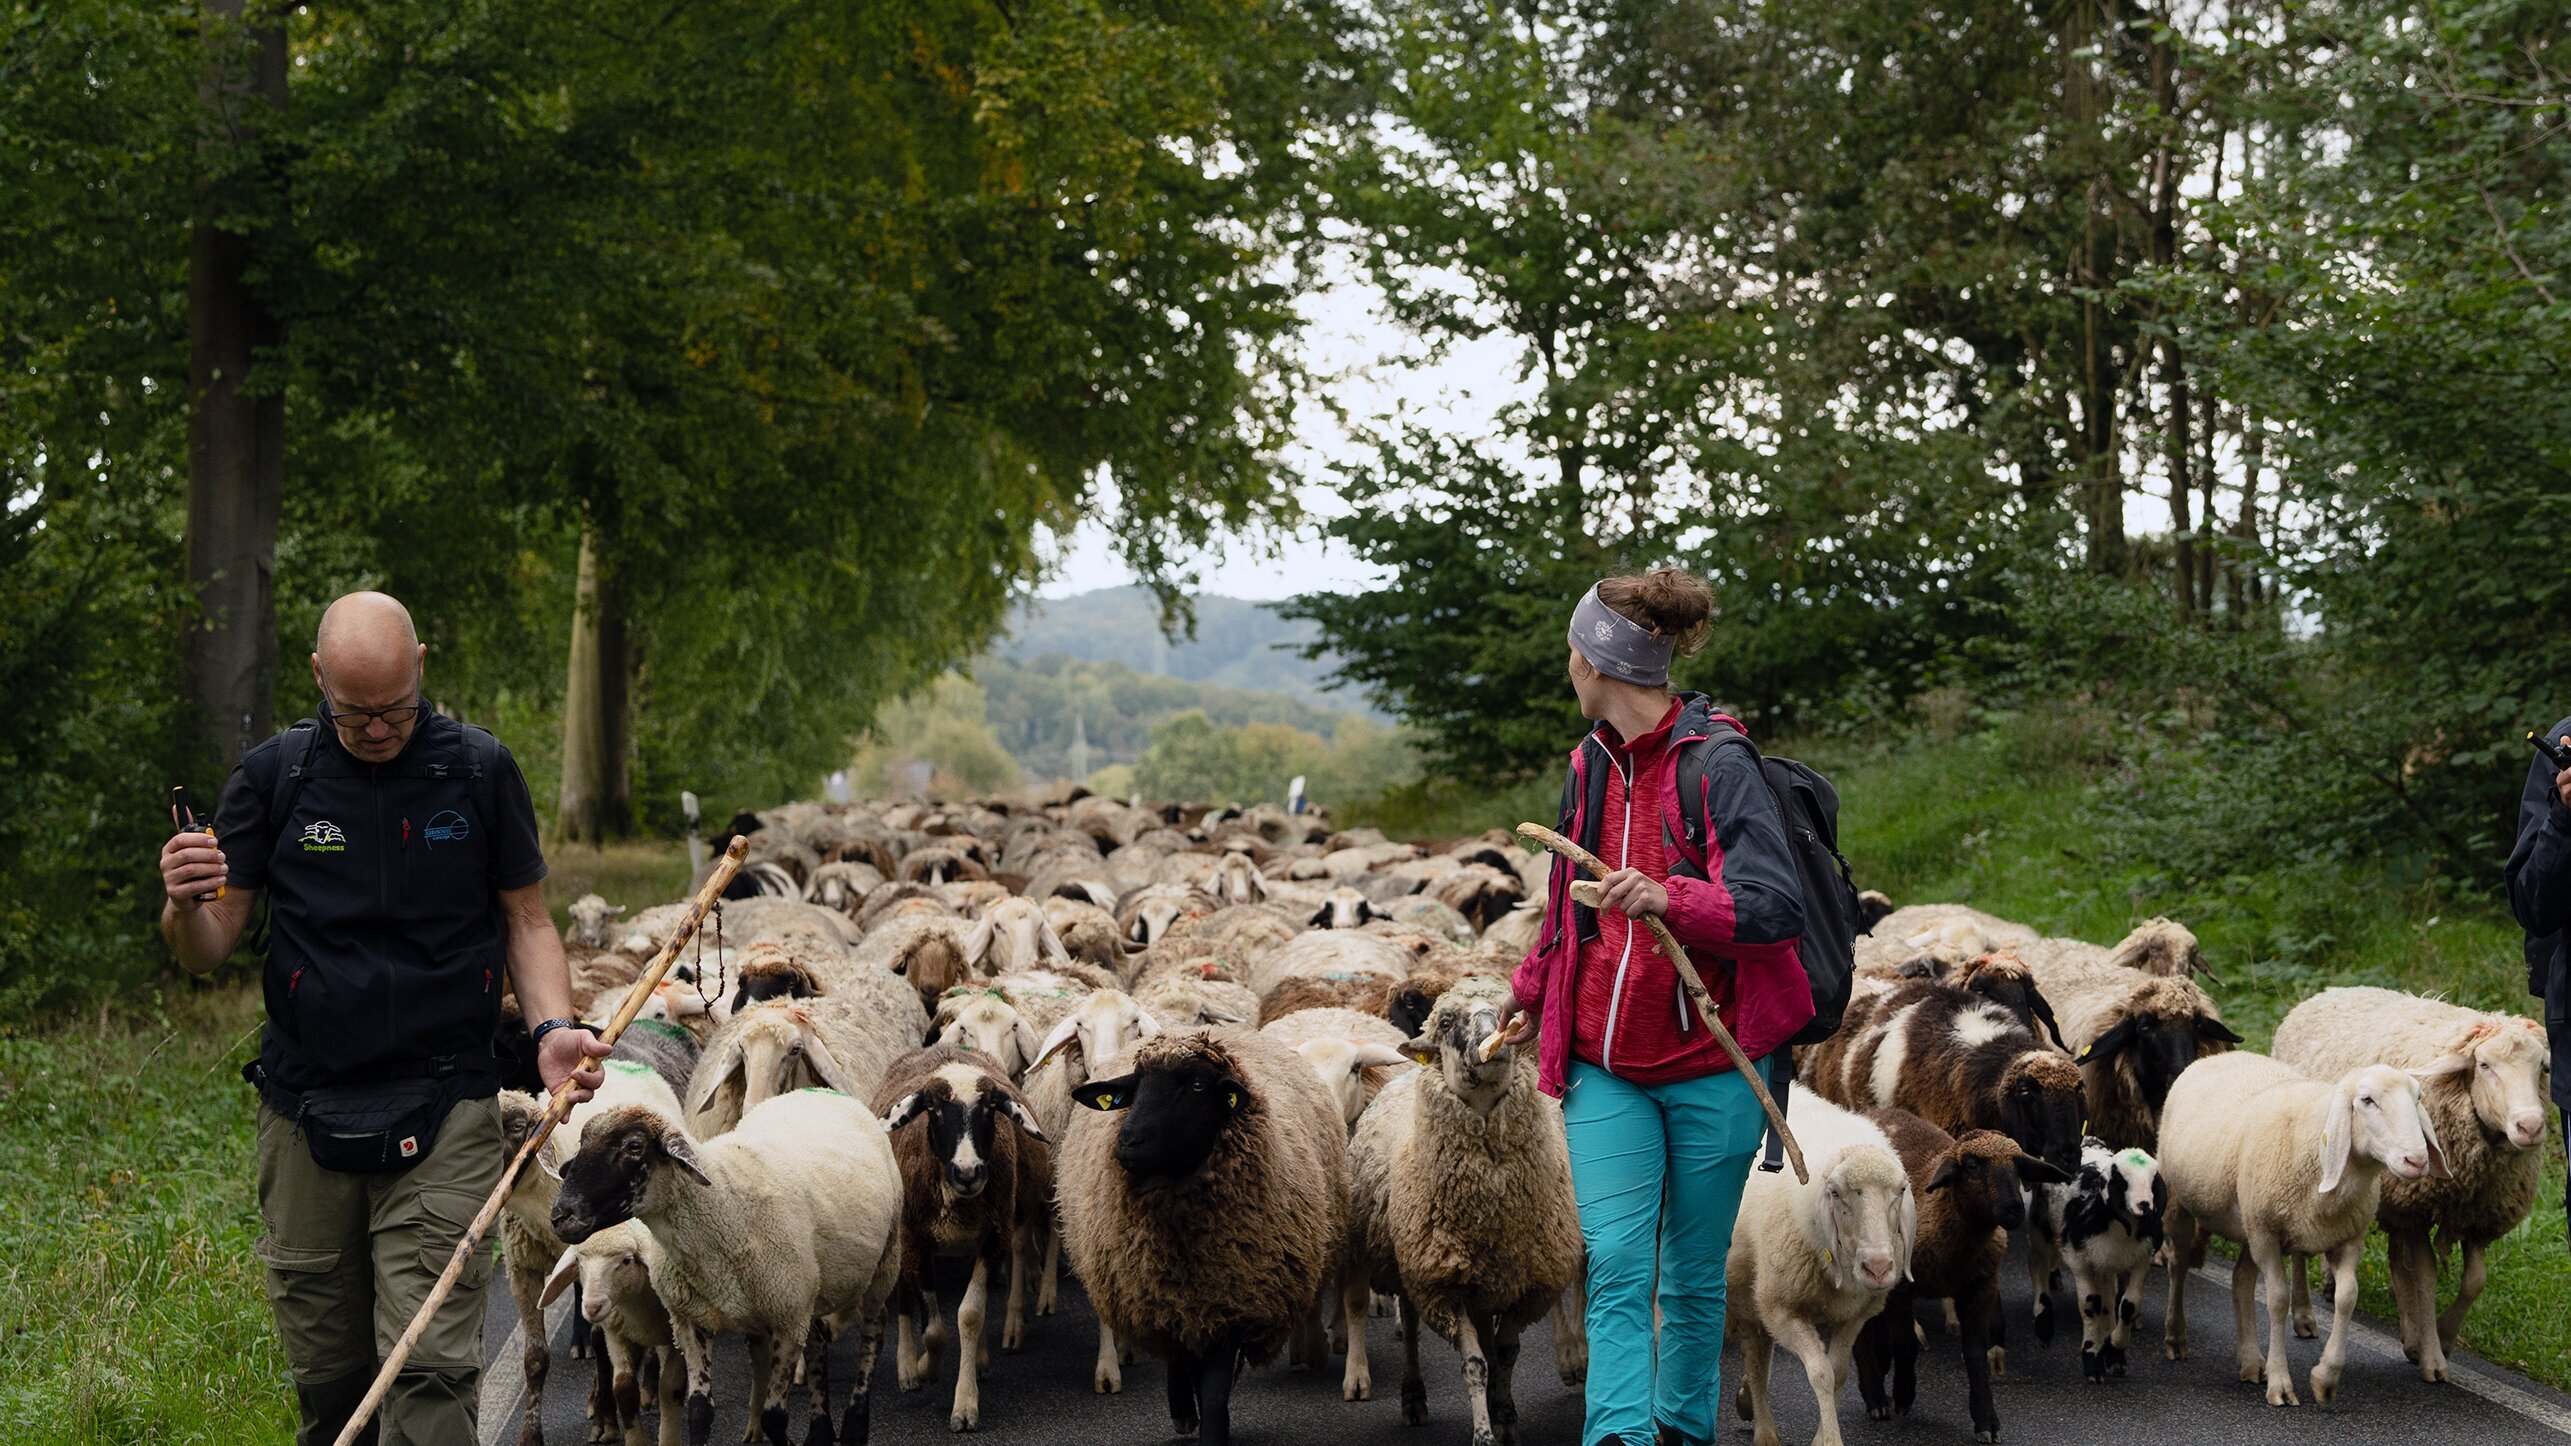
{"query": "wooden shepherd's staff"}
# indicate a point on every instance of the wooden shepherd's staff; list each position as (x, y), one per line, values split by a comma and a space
(1587, 894)
(555, 1108)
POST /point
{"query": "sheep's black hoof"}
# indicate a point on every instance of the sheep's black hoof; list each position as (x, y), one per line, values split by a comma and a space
(772, 1424)
(856, 1422)
(2043, 1320)
(1414, 1403)
(2113, 1358)
(819, 1432)
(1879, 1413)
(2092, 1366)
(1182, 1425)
(700, 1418)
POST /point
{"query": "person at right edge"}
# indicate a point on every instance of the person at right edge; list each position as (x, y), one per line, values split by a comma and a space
(2540, 892)
(1662, 1129)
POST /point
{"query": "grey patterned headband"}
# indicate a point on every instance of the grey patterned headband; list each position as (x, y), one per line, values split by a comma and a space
(1618, 646)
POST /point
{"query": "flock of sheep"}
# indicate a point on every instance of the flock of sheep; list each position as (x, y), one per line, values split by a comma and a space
(1233, 1064)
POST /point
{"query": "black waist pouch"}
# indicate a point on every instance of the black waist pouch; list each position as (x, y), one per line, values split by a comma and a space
(372, 1128)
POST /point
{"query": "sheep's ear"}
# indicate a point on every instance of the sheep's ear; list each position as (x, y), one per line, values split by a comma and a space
(1905, 1229)
(2044, 1014)
(1054, 948)
(545, 1160)
(711, 1074)
(1941, 1177)
(1063, 1033)
(977, 942)
(1320, 917)
(904, 1110)
(1026, 1118)
(2442, 1066)
(827, 1065)
(1025, 1035)
(2208, 1027)
(2036, 1172)
(559, 1279)
(1235, 1094)
(1146, 1027)
(2437, 1166)
(1366, 913)
(1419, 1049)
(615, 911)
(1106, 1095)
(682, 1152)
(2338, 1135)
(1372, 1054)
(2118, 1035)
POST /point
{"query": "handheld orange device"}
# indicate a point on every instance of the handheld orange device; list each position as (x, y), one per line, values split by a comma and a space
(184, 818)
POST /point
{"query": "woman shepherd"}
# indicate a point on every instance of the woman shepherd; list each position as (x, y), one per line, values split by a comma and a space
(1662, 1129)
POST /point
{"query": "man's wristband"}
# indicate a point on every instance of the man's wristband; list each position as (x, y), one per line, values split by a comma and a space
(537, 1037)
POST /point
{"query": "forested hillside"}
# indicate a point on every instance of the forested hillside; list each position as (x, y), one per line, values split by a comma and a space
(1236, 644)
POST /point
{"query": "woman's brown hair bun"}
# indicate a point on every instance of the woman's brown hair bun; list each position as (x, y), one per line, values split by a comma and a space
(1668, 600)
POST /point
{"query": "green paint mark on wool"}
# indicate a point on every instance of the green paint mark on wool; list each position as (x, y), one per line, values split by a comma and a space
(2136, 1159)
(661, 1027)
(819, 1090)
(627, 1066)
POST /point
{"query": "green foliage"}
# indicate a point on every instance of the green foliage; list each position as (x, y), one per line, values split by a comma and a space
(942, 728)
(1038, 709)
(1229, 642)
(1191, 757)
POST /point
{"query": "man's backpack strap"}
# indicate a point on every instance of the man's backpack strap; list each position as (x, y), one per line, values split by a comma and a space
(283, 791)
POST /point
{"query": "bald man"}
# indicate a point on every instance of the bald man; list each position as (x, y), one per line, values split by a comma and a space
(397, 849)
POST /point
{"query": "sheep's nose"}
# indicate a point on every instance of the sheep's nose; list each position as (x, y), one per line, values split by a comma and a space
(969, 1181)
(2527, 1129)
(594, 1307)
(1877, 1273)
(2412, 1167)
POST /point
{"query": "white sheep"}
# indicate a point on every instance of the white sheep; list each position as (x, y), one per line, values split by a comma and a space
(613, 1268)
(2258, 1152)
(783, 1230)
(770, 1048)
(1104, 1025)
(1355, 1055)
(1460, 1205)
(2485, 1077)
(591, 918)
(1810, 1263)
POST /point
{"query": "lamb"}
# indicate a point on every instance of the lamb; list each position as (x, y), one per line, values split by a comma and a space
(631, 1325)
(1956, 1061)
(969, 1187)
(1461, 1206)
(590, 928)
(2133, 1034)
(781, 1045)
(2238, 1148)
(1810, 1263)
(1354, 1055)
(1205, 1196)
(528, 1245)
(2485, 1078)
(1970, 1196)
(813, 1167)
(2106, 1226)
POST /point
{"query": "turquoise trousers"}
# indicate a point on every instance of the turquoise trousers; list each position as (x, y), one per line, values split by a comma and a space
(1658, 1170)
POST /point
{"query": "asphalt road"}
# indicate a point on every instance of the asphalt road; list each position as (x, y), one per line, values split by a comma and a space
(1042, 1394)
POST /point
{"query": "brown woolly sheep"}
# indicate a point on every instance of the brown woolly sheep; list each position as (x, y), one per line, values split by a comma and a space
(1461, 1205)
(1205, 1197)
(1479, 892)
(1956, 1060)
(1364, 993)
(970, 1187)
(1970, 1198)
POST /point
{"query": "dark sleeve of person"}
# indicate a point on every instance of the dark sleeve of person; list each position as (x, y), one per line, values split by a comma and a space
(2539, 871)
(1754, 895)
(517, 855)
(241, 818)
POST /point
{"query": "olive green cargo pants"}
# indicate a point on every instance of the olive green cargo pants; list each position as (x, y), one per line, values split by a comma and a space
(349, 1259)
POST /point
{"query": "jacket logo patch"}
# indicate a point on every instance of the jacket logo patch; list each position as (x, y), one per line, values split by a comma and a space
(447, 827)
(323, 837)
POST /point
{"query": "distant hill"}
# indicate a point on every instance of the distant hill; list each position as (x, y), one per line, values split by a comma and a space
(1238, 644)
(1062, 717)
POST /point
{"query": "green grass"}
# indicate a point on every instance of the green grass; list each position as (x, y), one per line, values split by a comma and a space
(131, 1309)
(637, 873)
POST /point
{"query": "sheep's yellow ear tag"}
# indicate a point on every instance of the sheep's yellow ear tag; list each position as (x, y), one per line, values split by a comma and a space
(2083, 1056)
(1231, 1099)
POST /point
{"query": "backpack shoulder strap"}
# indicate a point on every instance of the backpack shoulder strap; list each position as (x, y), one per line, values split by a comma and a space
(1695, 762)
(288, 785)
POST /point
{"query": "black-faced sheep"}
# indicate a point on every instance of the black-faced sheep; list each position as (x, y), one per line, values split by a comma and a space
(1205, 1195)
(2133, 1035)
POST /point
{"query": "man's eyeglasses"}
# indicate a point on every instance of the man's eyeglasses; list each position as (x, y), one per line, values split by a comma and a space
(357, 719)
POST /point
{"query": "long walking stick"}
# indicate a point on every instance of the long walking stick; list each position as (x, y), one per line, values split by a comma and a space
(555, 1108)
(1586, 894)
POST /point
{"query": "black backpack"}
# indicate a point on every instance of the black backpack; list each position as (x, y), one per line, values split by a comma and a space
(1809, 808)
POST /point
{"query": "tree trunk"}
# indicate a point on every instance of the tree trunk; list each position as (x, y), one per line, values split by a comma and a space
(235, 439)
(597, 800)
(2102, 481)
(2178, 445)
